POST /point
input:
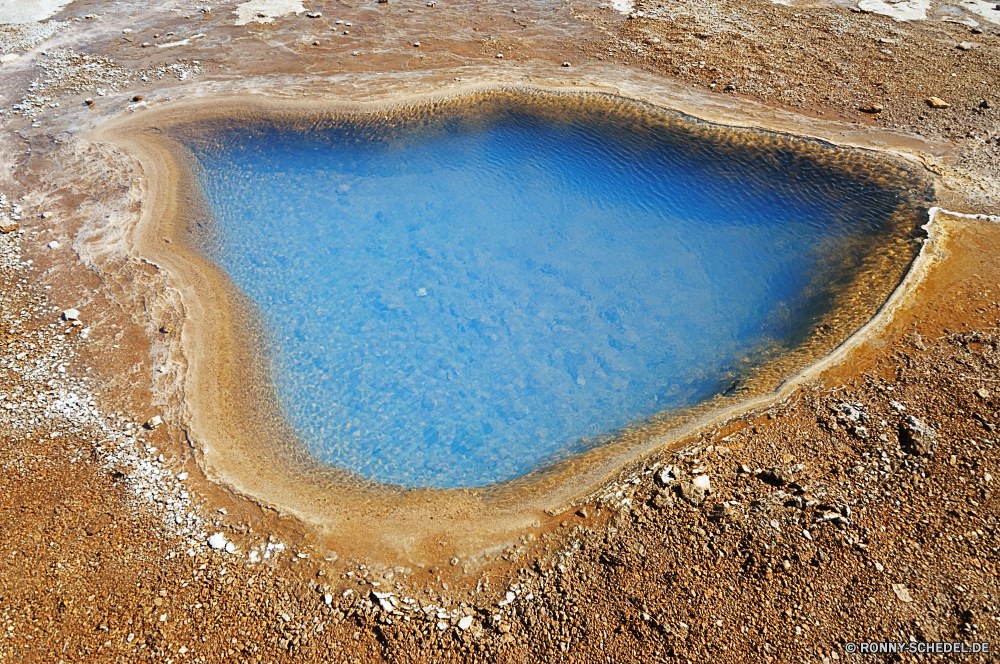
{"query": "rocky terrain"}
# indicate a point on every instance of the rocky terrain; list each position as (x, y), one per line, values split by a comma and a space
(862, 508)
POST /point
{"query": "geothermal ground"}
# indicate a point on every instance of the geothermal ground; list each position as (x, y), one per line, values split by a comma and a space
(861, 507)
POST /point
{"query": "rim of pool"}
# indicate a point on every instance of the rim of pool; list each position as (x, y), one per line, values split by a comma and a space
(219, 390)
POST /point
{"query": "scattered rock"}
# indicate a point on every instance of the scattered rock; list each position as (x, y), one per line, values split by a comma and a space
(7, 226)
(54, 244)
(937, 102)
(154, 422)
(137, 98)
(984, 105)
(777, 476)
(703, 482)
(314, 14)
(454, 561)
(917, 437)
(217, 541)
(982, 392)
(723, 511)
(667, 475)
(582, 513)
(871, 109)
(566, 64)
(71, 314)
(465, 623)
(901, 592)
(97, 524)
(500, 56)
(694, 495)
(662, 500)
(968, 46)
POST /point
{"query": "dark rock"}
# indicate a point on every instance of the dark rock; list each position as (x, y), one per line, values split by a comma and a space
(723, 511)
(777, 476)
(917, 437)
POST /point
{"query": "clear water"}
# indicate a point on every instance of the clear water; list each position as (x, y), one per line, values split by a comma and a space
(456, 300)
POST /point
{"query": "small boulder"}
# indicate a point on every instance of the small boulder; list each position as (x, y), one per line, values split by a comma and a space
(937, 102)
(667, 475)
(154, 422)
(662, 500)
(916, 437)
(777, 476)
(694, 495)
(871, 109)
(723, 511)
(217, 541)
(71, 314)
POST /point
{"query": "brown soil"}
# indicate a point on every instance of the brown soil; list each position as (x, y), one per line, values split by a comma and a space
(92, 571)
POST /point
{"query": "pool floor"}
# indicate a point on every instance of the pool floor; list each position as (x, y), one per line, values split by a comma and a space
(459, 299)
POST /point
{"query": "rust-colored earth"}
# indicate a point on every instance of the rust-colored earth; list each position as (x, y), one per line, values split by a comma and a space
(832, 519)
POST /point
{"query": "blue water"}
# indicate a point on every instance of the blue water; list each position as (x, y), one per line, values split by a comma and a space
(454, 302)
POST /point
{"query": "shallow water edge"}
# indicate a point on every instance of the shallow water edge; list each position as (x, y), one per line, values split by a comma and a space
(222, 397)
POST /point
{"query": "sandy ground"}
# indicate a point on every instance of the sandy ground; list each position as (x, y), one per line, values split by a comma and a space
(832, 518)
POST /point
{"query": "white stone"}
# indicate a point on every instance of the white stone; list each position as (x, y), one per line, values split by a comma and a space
(230, 547)
(328, 599)
(265, 11)
(911, 10)
(53, 245)
(154, 422)
(217, 541)
(71, 314)
(465, 623)
(702, 482)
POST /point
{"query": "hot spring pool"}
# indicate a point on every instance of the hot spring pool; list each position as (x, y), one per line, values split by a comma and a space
(457, 296)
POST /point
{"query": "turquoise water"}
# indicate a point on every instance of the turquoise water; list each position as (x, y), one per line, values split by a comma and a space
(455, 301)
